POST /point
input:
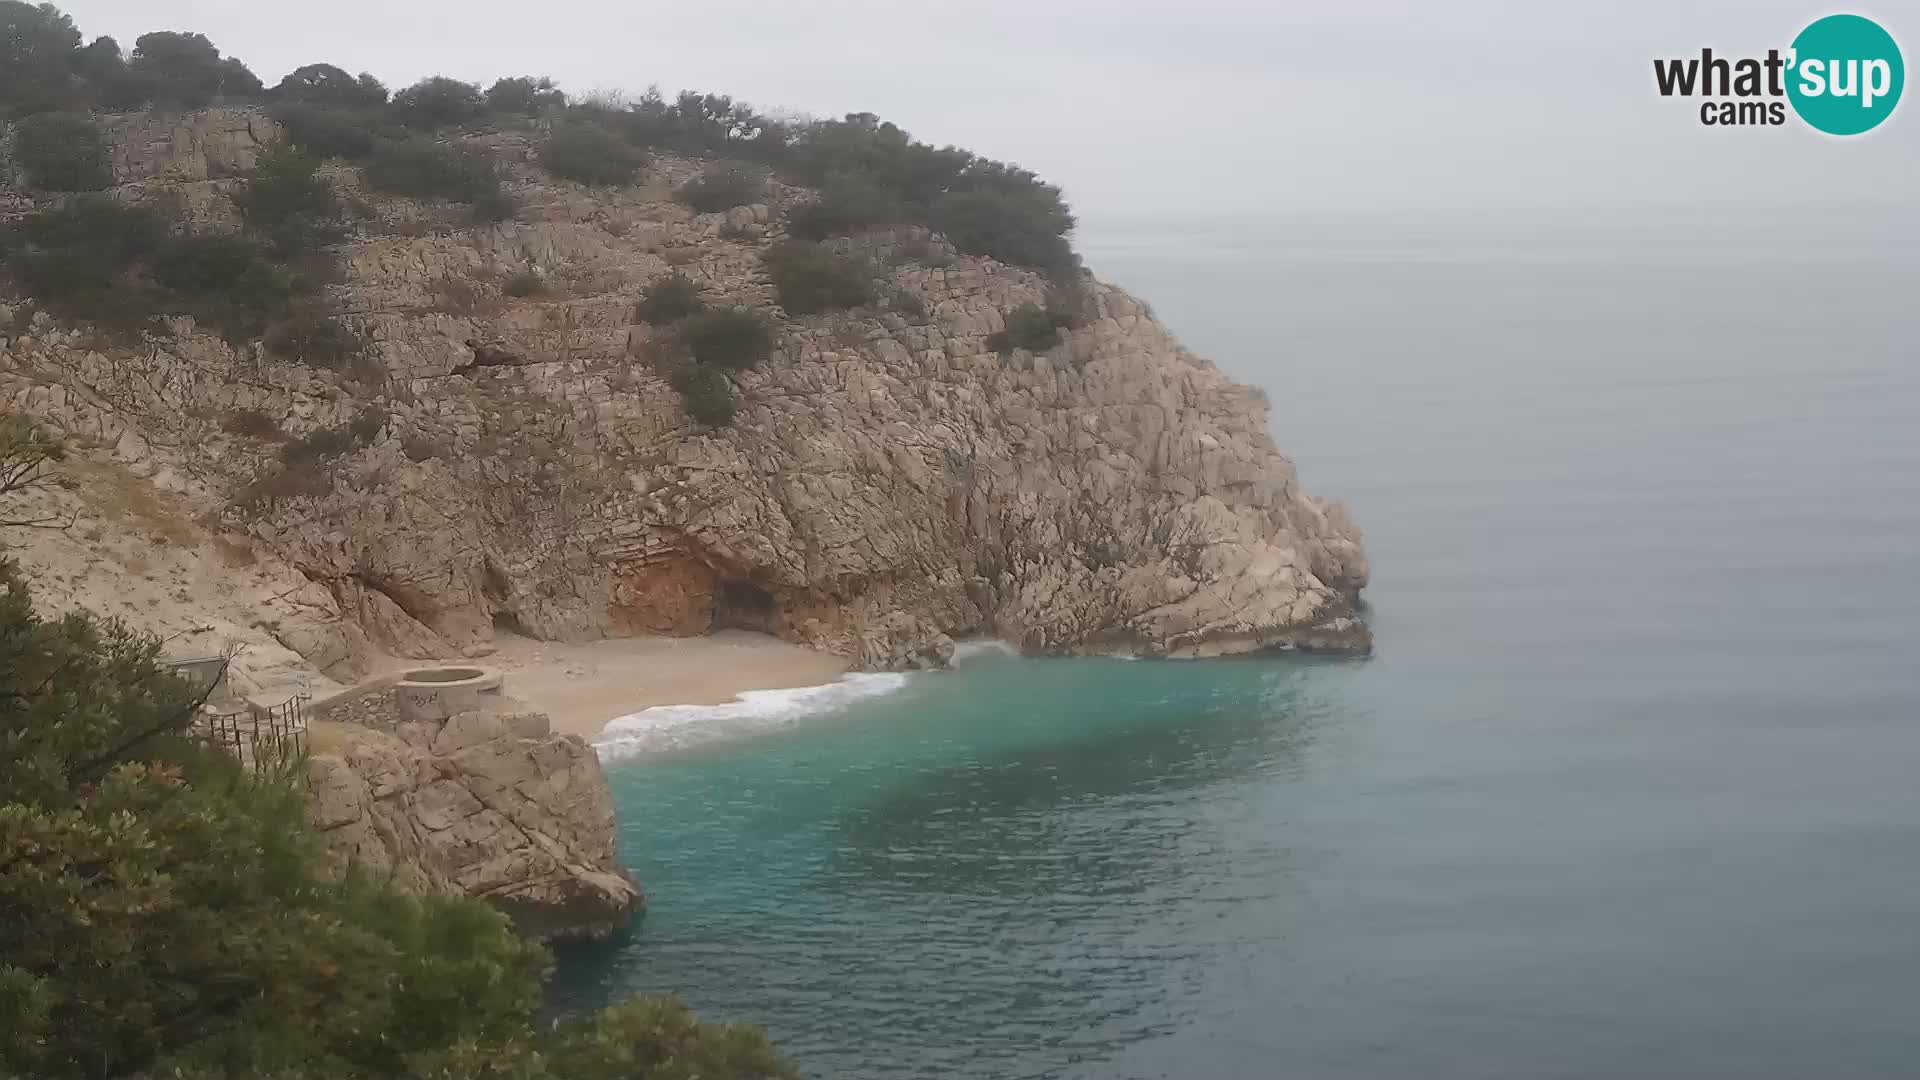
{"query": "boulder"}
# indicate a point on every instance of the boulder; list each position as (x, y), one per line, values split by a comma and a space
(485, 804)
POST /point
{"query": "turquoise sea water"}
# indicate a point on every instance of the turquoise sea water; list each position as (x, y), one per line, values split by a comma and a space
(1631, 788)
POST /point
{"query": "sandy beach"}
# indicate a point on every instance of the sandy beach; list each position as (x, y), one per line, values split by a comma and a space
(582, 686)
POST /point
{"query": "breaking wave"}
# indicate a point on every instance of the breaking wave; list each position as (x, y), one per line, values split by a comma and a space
(674, 727)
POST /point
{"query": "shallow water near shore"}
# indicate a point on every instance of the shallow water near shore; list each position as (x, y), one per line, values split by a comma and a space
(1628, 789)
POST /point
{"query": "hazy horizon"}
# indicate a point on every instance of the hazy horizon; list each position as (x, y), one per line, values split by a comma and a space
(1210, 112)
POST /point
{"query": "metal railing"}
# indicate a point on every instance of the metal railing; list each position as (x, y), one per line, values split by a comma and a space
(265, 737)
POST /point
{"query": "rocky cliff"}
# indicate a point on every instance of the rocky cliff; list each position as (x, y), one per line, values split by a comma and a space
(483, 802)
(890, 482)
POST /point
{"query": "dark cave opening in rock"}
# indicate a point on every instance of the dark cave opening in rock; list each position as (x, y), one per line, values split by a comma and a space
(743, 605)
(506, 622)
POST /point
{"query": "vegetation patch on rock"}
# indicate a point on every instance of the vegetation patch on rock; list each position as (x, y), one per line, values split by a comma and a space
(809, 279)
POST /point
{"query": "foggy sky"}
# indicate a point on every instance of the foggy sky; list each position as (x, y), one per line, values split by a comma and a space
(1164, 108)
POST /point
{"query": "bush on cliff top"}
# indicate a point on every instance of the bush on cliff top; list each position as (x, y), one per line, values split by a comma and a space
(869, 172)
(437, 102)
(330, 86)
(524, 96)
(186, 71)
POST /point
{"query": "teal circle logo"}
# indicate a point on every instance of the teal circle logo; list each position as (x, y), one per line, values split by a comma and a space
(1846, 75)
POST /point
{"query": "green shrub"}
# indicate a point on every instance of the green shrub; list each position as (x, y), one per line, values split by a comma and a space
(809, 279)
(40, 43)
(288, 203)
(707, 393)
(186, 71)
(207, 263)
(524, 283)
(699, 125)
(848, 203)
(316, 340)
(731, 338)
(76, 260)
(590, 154)
(329, 132)
(491, 205)
(1029, 327)
(669, 298)
(524, 96)
(427, 170)
(438, 102)
(1022, 228)
(725, 185)
(62, 152)
(96, 225)
(326, 85)
(222, 281)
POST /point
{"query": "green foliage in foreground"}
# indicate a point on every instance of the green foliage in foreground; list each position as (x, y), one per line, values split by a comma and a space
(161, 913)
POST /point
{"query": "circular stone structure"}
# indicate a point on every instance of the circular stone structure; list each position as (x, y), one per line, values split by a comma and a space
(436, 693)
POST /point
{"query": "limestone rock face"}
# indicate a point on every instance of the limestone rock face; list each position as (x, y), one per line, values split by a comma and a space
(890, 482)
(486, 804)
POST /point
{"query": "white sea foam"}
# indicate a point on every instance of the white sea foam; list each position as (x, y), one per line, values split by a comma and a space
(672, 727)
(964, 651)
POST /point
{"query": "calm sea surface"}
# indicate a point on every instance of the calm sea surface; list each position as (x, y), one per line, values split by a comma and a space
(1631, 788)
